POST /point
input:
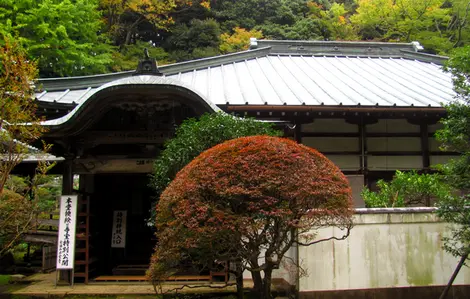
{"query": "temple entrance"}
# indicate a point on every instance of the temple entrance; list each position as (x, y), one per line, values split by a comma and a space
(129, 193)
(111, 140)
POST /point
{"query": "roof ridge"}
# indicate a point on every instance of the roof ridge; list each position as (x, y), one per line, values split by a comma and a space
(191, 65)
(81, 82)
(351, 48)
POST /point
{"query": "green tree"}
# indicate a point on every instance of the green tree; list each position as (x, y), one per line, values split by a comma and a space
(426, 21)
(340, 26)
(459, 24)
(407, 189)
(194, 136)
(128, 56)
(455, 136)
(201, 38)
(245, 13)
(239, 40)
(309, 29)
(61, 35)
(123, 18)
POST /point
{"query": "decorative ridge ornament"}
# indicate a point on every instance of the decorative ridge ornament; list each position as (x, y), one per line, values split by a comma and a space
(147, 66)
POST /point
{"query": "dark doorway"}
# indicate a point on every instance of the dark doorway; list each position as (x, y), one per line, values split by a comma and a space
(123, 192)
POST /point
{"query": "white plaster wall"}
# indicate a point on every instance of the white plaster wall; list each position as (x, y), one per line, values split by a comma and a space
(393, 144)
(383, 250)
(345, 162)
(288, 270)
(394, 162)
(433, 144)
(435, 127)
(332, 144)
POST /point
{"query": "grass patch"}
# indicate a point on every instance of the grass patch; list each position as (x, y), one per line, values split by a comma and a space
(4, 279)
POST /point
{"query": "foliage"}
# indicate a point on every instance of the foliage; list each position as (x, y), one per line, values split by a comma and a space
(405, 21)
(459, 24)
(455, 210)
(340, 26)
(197, 40)
(244, 13)
(60, 35)
(4, 279)
(239, 40)
(455, 136)
(406, 189)
(16, 107)
(128, 56)
(309, 29)
(456, 133)
(126, 16)
(47, 189)
(194, 136)
(459, 66)
(103, 35)
(248, 200)
(18, 206)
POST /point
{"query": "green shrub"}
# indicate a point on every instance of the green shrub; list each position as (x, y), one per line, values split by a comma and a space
(407, 189)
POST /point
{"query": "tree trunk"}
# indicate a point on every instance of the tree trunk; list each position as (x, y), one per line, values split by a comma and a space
(130, 30)
(257, 282)
(454, 275)
(128, 36)
(267, 284)
(256, 275)
(239, 279)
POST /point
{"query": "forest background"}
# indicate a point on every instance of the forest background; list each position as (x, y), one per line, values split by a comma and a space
(85, 37)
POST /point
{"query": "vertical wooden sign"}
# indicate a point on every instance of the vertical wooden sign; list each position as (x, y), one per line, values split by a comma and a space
(118, 238)
(67, 228)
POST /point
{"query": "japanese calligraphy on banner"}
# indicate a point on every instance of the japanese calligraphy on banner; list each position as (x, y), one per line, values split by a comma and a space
(118, 239)
(67, 225)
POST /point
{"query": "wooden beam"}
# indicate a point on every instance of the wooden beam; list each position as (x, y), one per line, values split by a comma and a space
(385, 153)
(67, 176)
(369, 134)
(334, 108)
(298, 134)
(425, 145)
(125, 137)
(363, 150)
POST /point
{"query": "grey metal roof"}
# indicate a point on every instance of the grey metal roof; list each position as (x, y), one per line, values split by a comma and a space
(32, 154)
(293, 73)
(81, 96)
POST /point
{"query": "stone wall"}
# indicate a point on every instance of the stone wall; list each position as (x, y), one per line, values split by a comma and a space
(392, 253)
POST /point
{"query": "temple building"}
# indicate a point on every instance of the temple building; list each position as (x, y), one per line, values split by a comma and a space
(370, 107)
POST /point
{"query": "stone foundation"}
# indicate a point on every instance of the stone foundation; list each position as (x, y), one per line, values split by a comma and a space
(457, 292)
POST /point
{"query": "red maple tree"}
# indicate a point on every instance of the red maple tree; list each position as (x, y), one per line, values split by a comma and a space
(247, 201)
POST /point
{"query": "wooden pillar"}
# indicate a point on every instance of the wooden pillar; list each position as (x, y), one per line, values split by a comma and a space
(425, 146)
(363, 150)
(67, 177)
(298, 133)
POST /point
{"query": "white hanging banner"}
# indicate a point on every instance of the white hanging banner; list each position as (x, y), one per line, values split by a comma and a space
(67, 226)
(118, 238)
